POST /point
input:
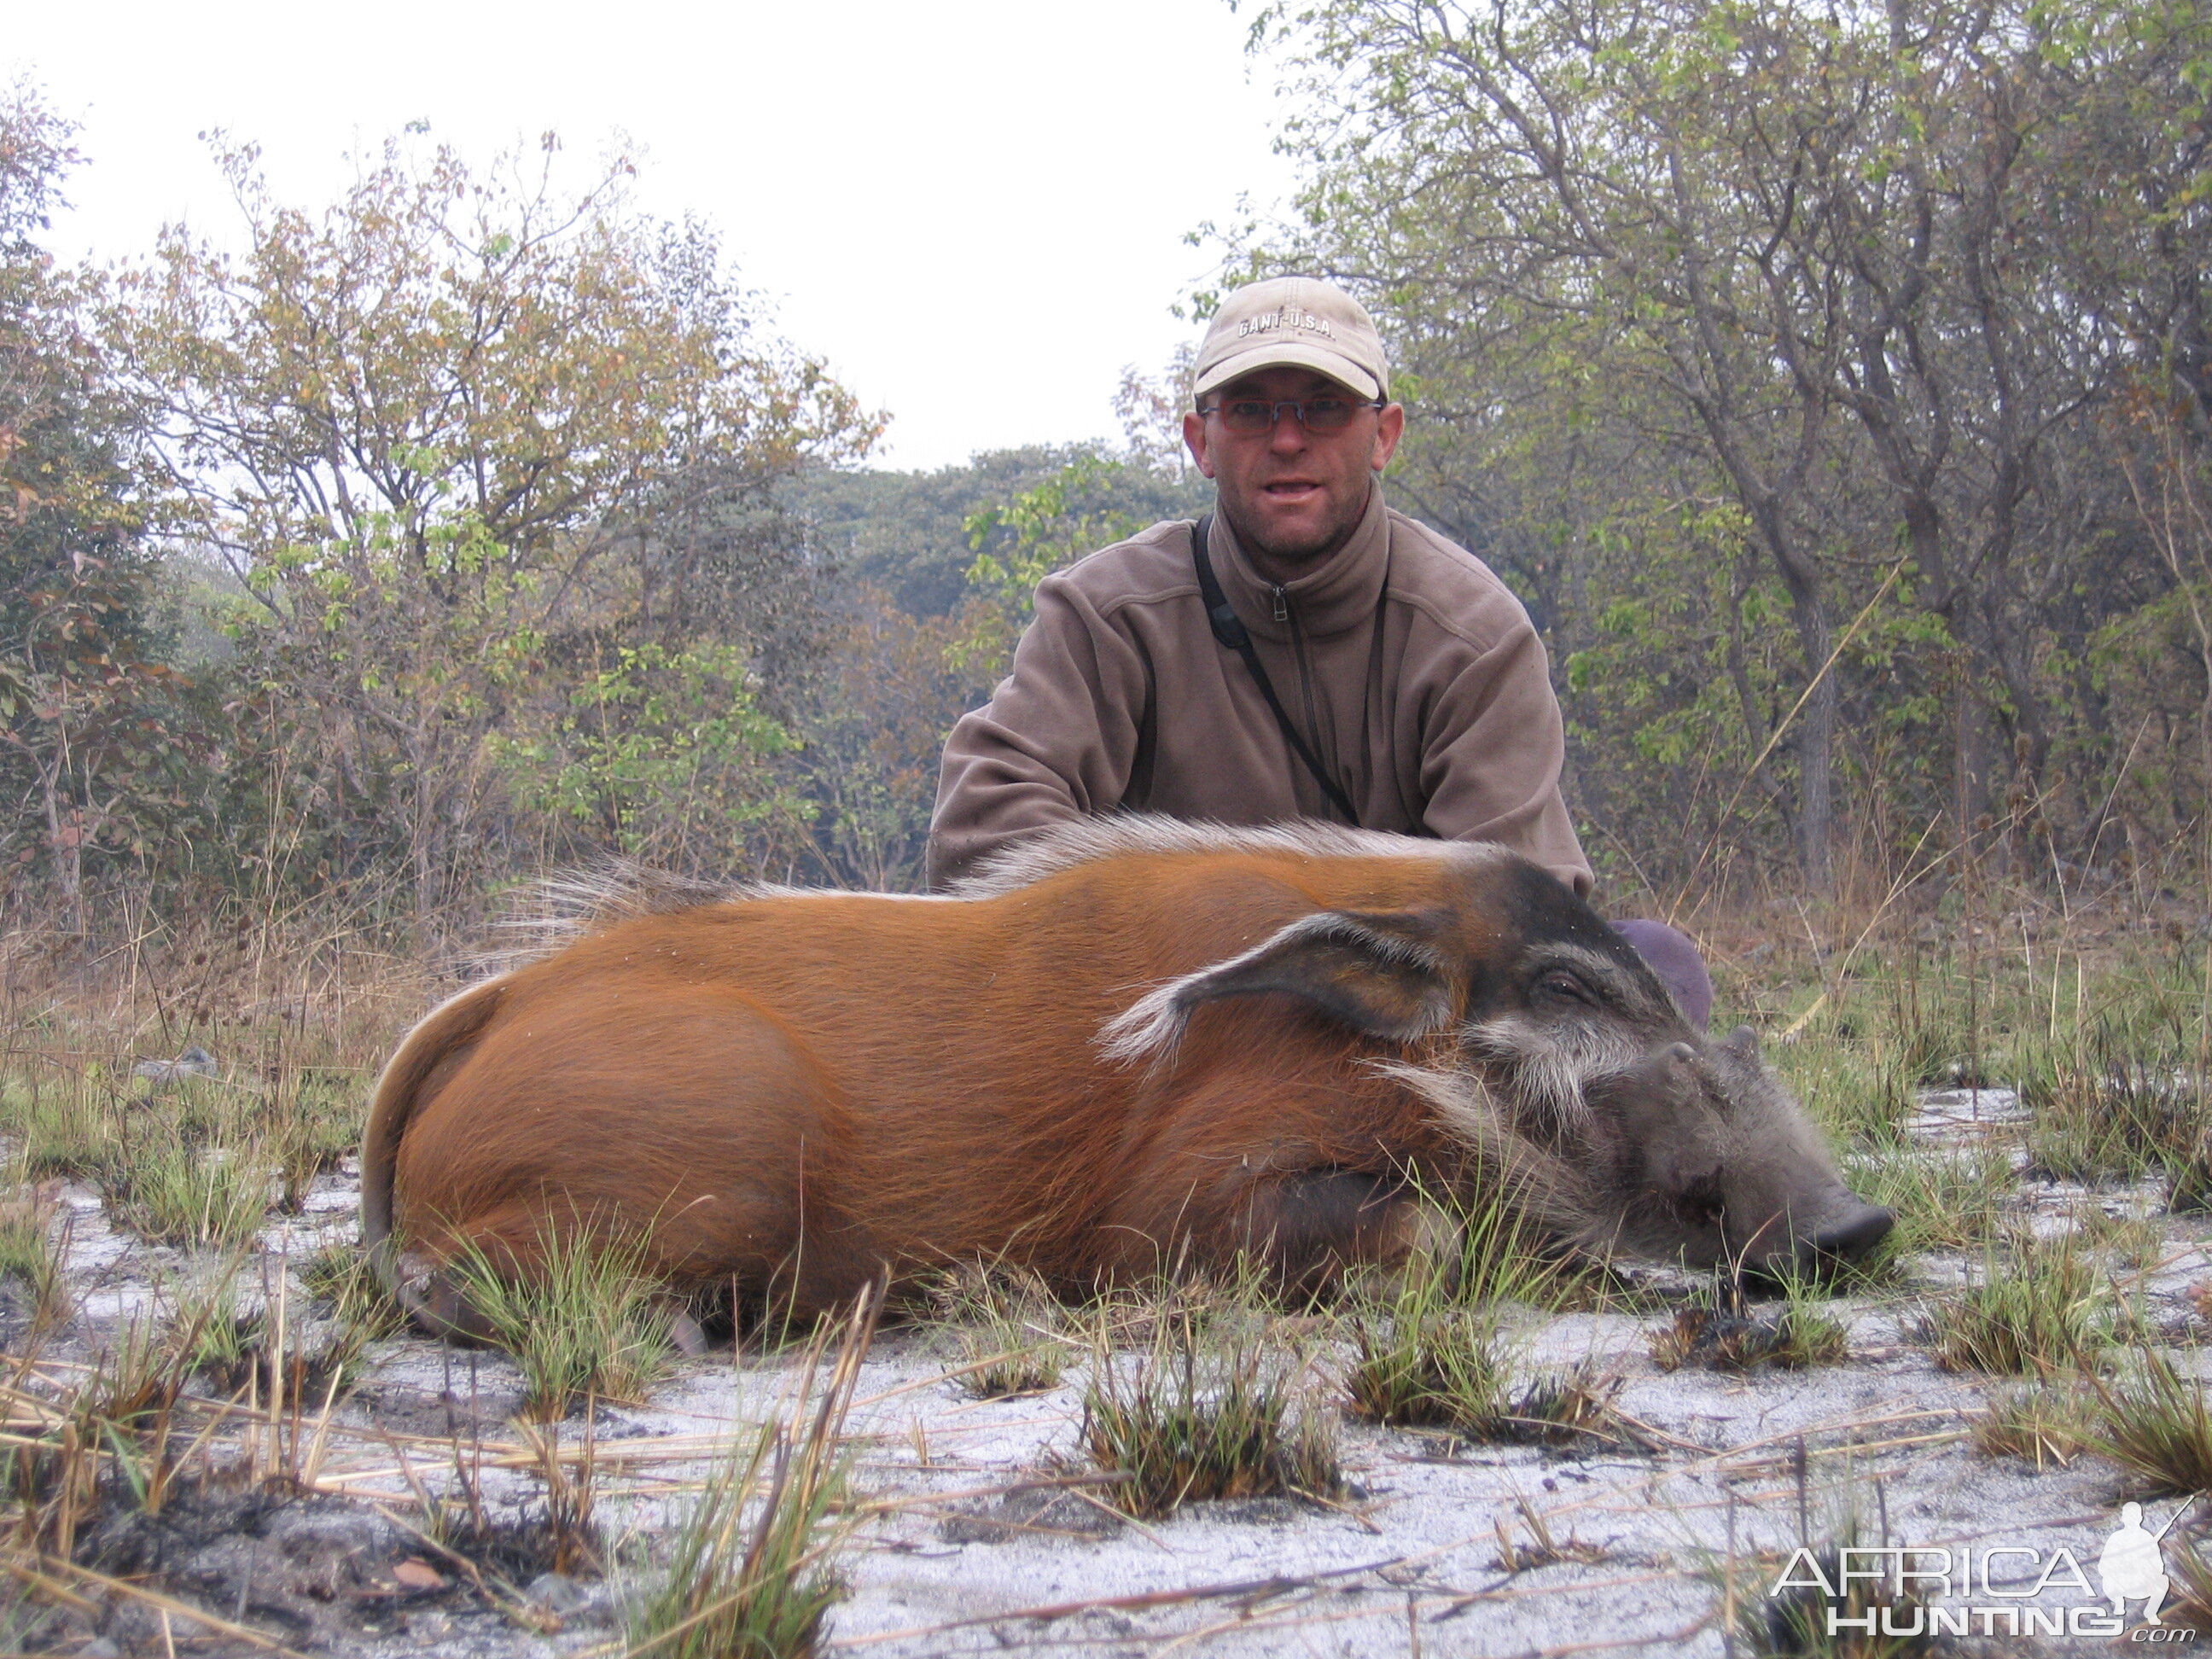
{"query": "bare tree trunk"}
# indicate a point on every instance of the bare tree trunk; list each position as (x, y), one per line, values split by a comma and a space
(1816, 747)
(64, 826)
(63, 837)
(1970, 765)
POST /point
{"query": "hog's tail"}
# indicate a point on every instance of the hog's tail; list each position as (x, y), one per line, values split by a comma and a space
(445, 1030)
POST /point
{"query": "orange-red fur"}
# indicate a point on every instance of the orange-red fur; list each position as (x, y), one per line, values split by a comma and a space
(800, 1087)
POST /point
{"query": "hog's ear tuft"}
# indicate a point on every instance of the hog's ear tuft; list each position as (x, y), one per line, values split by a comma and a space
(1377, 972)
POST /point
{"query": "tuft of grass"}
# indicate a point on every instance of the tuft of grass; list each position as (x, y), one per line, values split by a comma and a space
(364, 1311)
(749, 1569)
(2122, 1095)
(2049, 1310)
(314, 1132)
(1571, 1408)
(1427, 1366)
(1424, 1356)
(2042, 1424)
(1484, 1248)
(135, 1377)
(1806, 1622)
(1501, 1256)
(2155, 1422)
(106, 1446)
(587, 1320)
(2190, 1168)
(1241, 1300)
(1933, 1027)
(2130, 1241)
(1009, 1327)
(173, 1192)
(68, 1122)
(1847, 1092)
(568, 1538)
(210, 1335)
(1542, 1549)
(1942, 1200)
(1719, 1336)
(34, 1249)
(1422, 1359)
(1199, 1414)
(233, 1351)
(2191, 1606)
(739, 1589)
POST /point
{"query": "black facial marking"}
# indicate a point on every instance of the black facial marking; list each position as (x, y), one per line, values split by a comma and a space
(1541, 909)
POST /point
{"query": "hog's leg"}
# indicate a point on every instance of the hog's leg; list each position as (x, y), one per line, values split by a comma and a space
(1312, 1227)
(687, 1119)
(510, 1239)
(513, 1240)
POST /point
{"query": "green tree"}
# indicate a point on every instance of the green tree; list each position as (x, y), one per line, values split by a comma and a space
(932, 575)
(467, 443)
(1838, 268)
(1084, 506)
(86, 738)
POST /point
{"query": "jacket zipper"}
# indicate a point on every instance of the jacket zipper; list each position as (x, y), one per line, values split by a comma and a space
(1283, 614)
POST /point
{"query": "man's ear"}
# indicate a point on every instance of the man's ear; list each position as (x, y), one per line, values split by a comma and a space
(1194, 437)
(1377, 972)
(1389, 428)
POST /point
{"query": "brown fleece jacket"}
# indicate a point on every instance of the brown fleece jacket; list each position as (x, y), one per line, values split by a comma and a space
(1413, 674)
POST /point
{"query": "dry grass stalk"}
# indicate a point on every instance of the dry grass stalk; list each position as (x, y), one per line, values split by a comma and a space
(748, 1569)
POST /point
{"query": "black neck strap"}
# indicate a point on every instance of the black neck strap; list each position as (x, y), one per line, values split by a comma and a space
(1230, 629)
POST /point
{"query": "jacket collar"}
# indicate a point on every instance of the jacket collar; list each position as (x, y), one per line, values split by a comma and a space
(1340, 593)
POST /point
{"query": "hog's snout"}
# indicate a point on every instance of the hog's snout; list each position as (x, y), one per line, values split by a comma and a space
(1730, 1170)
(1839, 1243)
(1850, 1239)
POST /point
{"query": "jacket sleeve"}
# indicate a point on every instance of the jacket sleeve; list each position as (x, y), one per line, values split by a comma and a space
(1056, 742)
(1493, 752)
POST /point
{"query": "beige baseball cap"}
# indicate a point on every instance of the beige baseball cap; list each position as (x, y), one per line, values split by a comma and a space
(1293, 321)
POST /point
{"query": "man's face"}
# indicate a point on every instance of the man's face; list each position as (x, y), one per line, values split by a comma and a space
(1291, 495)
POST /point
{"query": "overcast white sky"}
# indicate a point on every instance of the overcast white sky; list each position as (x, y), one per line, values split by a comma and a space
(973, 210)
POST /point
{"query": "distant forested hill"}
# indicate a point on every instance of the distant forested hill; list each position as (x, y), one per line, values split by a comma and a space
(907, 533)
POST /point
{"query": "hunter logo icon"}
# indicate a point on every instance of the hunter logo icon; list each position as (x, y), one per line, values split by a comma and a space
(1917, 1589)
(2130, 1566)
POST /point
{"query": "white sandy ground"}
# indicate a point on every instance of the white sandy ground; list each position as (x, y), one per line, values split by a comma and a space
(1428, 1556)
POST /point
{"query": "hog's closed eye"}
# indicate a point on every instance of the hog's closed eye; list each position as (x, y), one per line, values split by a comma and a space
(1560, 983)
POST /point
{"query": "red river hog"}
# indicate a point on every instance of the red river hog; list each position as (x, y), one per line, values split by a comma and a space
(1131, 1042)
